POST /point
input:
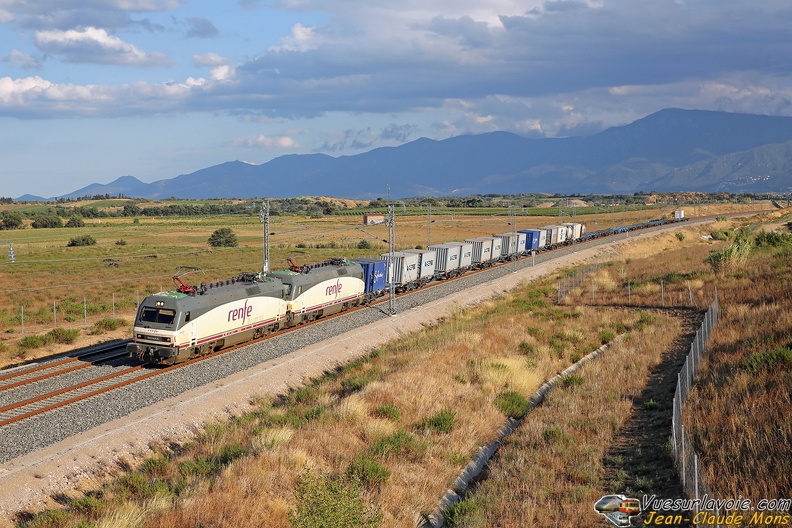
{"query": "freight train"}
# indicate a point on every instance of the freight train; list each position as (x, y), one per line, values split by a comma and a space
(191, 321)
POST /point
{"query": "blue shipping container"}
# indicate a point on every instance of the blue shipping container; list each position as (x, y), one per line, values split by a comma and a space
(531, 238)
(373, 273)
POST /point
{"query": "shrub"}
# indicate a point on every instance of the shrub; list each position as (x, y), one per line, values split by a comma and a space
(325, 501)
(155, 465)
(512, 404)
(35, 341)
(83, 240)
(528, 349)
(572, 380)
(121, 242)
(88, 505)
(366, 470)
(107, 324)
(64, 335)
(606, 336)
(780, 358)
(389, 411)
(364, 244)
(223, 237)
(442, 422)
(461, 513)
(399, 444)
(75, 221)
(552, 433)
(48, 220)
(229, 453)
(680, 235)
(733, 256)
(772, 239)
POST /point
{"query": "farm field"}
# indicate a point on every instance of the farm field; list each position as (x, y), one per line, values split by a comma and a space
(368, 440)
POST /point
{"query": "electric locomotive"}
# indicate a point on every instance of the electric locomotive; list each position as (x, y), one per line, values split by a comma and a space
(191, 321)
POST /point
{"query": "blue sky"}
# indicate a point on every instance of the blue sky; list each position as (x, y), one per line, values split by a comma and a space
(97, 89)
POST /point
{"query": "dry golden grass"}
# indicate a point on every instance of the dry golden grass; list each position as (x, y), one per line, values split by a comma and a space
(550, 472)
(741, 410)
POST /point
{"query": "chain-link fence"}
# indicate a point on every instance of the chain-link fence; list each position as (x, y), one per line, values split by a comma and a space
(694, 480)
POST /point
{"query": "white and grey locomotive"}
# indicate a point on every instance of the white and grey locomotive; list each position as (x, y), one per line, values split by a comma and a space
(191, 321)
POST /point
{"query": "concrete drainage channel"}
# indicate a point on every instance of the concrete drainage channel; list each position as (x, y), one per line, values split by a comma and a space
(436, 519)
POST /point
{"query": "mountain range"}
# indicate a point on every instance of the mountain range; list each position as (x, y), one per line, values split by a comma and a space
(670, 150)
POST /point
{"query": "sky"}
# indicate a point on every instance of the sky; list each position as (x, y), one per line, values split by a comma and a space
(93, 90)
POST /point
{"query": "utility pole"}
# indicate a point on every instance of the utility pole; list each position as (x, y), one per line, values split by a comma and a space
(264, 216)
(11, 255)
(512, 218)
(390, 221)
(428, 224)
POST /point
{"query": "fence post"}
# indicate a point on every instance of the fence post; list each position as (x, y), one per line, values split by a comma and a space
(673, 424)
(683, 456)
(695, 474)
(54, 315)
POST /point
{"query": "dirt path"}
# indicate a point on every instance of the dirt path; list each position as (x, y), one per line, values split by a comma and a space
(639, 458)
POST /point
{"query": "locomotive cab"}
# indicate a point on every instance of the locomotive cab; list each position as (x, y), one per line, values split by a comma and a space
(156, 329)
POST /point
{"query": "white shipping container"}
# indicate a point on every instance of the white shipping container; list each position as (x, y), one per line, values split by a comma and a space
(544, 237)
(508, 244)
(447, 257)
(426, 262)
(557, 234)
(574, 230)
(465, 253)
(679, 214)
(497, 244)
(482, 249)
(403, 269)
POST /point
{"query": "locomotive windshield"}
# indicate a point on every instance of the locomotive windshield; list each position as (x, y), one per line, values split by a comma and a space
(157, 315)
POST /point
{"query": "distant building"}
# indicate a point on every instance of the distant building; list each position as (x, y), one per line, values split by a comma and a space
(373, 218)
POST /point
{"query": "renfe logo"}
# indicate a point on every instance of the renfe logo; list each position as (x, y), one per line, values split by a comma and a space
(334, 289)
(240, 313)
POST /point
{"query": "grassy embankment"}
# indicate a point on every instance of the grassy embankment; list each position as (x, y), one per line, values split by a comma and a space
(740, 414)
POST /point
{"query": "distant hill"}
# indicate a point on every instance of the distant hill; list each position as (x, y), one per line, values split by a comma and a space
(671, 150)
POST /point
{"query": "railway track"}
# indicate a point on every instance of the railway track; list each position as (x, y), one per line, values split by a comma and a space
(58, 367)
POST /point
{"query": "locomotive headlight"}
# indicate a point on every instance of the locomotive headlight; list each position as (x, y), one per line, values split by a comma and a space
(164, 339)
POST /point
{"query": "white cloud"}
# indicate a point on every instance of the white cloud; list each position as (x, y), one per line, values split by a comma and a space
(209, 59)
(95, 45)
(267, 142)
(26, 61)
(223, 73)
(302, 38)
